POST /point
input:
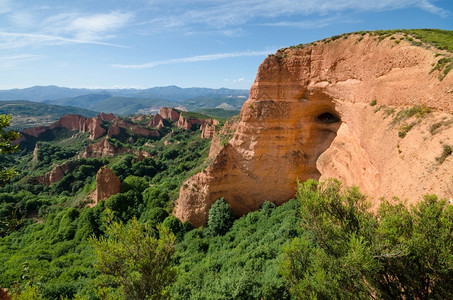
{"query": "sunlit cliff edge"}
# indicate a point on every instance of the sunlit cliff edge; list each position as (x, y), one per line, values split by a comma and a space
(373, 111)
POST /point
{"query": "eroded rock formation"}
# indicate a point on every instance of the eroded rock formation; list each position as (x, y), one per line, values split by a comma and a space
(103, 148)
(169, 113)
(309, 116)
(188, 123)
(157, 122)
(107, 184)
(55, 175)
(207, 130)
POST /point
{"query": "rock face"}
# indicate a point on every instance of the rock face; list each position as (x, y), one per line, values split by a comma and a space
(207, 131)
(309, 116)
(34, 131)
(169, 113)
(222, 137)
(188, 123)
(93, 126)
(103, 148)
(73, 123)
(107, 184)
(157, 122)
(55, 175)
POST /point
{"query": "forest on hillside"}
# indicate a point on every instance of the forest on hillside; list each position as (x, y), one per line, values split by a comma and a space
(323, 244)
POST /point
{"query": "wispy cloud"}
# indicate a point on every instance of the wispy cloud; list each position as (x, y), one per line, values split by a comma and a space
(198, 58)
(9, 62)
(11, 40)
(63, 28)
(89, 27)
(224, 13)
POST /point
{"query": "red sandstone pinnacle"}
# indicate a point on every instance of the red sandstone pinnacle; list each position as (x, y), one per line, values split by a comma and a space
(107, 184)
(309, 116)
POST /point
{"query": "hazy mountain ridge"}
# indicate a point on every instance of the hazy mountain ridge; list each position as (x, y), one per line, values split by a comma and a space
(170, 93)
(130, 101)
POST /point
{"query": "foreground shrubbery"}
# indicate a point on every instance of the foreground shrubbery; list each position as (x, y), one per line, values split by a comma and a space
(347, 252)
(325, 244)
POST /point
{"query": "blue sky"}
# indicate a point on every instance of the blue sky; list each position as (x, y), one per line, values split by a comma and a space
(189, 43)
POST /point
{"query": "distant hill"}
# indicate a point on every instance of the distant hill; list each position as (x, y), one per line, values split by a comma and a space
(119, 105)
(31, 114)
(130, 101)
(170, 93)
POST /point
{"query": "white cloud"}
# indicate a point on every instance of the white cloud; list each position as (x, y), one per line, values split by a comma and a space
(207, 57)
(11, 40)
(94, 26)
(87, 27)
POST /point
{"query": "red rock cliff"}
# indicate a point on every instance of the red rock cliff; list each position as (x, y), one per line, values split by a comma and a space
(309, 116)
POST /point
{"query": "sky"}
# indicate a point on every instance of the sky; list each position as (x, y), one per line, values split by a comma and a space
(188, 43)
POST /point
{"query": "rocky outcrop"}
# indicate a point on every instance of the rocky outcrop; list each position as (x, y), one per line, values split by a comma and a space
(93, 126)
(143, 131)
(103, 148)
(157, 122)
(114, 130)
(34, 131)
(207, 131)
(169, 113)
(107, 184)
(224, 135)
(55, 175)
(73, 123)
(309, 116)
(107, 117)
(187, 123)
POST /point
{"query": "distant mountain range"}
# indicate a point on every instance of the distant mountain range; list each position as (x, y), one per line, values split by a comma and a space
(130, 101)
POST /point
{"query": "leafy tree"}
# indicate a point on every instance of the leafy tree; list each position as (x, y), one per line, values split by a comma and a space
(346, 252)
(136, 183)
(130, 257)
(6, 146)
(220, 217)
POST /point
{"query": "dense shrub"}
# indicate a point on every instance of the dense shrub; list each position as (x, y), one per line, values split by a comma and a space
(347, 252)
(220, 218)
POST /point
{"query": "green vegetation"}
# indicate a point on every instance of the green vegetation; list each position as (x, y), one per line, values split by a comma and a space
(323, 244)
(417, 111)
(220, 218)
(131, 258)
(194, 115)
(447, 150)
(6, 147)
(373, 102)
(218, 113)
(444, 65)
(346, 252)
(241, 264)
(405, 128)
(436, 127)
